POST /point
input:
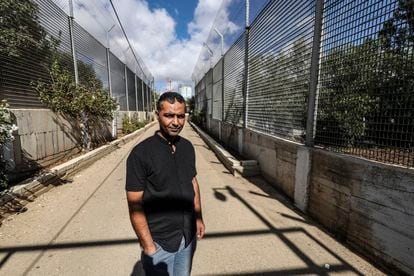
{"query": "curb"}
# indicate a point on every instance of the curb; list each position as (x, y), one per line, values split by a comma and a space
(238, 168)
(14, 199)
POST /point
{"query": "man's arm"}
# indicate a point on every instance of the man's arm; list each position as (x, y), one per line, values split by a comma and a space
(139, 221)
(197, 209)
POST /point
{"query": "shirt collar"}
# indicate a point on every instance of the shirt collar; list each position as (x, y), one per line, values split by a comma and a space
(165, 141)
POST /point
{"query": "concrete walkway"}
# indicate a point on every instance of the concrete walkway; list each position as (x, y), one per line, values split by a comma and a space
(82, 228)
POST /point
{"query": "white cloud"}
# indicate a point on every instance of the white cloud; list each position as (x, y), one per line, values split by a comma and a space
(153, 35)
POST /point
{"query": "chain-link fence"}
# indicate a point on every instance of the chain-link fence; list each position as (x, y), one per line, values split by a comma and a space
(334, 74)
(37, 31)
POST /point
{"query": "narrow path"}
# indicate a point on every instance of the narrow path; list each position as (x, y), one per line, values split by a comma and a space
(82, 228)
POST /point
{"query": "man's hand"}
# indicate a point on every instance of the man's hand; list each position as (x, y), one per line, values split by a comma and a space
(200, 228)
(149, 250)
(197, 208)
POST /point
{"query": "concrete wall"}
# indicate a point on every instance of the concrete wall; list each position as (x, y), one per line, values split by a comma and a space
(44, 138)
(367, 204)
(215, 128)
(276, 157)
(142, 115)
(232, 136)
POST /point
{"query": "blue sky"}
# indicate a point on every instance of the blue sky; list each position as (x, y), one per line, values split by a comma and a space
(181, 10)
(168, 35)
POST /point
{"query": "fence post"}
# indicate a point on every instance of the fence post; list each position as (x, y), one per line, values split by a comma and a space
(136, 91)
(126, 89)
(153, 95)
(222, 89)
(314, 74)
(84, 126)
(108, 66)
(246, 65)
(143, 98)
(304, 154)
(72, 42)
(222, 96)
(147, 92)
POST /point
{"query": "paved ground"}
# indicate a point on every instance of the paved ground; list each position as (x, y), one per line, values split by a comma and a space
(82, 228)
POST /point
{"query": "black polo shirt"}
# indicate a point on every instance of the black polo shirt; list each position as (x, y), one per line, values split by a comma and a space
(166, 179)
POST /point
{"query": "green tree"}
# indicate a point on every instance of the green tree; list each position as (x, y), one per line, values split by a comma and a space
(20, 28)
(348, 92)
(396, 80)
(83, 102)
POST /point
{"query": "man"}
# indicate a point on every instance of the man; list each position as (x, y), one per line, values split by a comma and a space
(163, 194)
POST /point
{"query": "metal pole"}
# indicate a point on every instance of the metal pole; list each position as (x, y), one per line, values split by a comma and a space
(221, 40)
(246, 66)
(84, 117)
(110, 91)
(72, 42)
(314, 74)
(108, 60)
(148, 99)
(126, 87)
(143, 98)
(136, 92)
(108, 65)
(153, 87)
(222, 89)
(210, 52)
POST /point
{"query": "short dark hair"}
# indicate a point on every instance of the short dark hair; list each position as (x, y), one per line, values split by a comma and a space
(170, 97)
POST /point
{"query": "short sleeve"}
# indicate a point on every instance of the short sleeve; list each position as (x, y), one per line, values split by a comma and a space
(136, 177)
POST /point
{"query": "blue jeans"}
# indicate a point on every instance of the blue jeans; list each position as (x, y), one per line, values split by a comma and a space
(169, 264)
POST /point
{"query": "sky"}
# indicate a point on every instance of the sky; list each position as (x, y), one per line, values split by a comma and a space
(168, 35)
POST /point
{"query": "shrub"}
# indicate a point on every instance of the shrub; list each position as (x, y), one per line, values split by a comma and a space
(129, 125)
(6, 134)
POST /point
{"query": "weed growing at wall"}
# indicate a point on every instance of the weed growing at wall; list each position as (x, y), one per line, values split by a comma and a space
(199, 118)
(129, 125)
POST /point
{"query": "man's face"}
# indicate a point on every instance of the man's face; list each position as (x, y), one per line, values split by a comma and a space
(172, 117)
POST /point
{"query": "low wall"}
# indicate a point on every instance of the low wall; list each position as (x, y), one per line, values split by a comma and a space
(367, 204)
(215, 128)
(45, 137)
(276, 157)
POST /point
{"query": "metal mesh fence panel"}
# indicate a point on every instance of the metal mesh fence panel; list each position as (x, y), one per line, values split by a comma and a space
(366, 87)
(132, 101)
(41, 32)
(228, 26)
(27, 59)
(99, 19)
(233, 82)
(91, 58)
(217, 90)
(279, 68)
(118, 81)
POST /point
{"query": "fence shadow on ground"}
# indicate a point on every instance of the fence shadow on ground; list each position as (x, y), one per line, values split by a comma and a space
(222, 194)
(312, 267)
